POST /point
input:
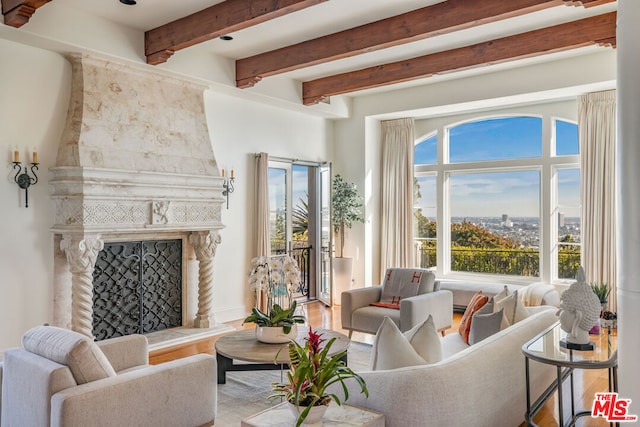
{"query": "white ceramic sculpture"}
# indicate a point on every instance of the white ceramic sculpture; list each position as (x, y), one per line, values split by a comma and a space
(579, 310)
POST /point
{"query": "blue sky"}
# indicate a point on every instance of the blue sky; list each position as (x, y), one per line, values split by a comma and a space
(492, 194)
(277, 185)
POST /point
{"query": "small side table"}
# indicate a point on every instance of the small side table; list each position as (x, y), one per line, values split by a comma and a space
(336, 416)
(545, 348)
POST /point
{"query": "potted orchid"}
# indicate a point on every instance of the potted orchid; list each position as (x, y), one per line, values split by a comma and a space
(278, 277)
(311, 372)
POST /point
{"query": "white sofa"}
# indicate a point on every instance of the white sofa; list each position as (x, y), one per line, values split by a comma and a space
(464, 290)
(479, 385)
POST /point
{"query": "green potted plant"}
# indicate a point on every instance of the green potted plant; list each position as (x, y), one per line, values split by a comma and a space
(310, 374)
(276, 326)
(346, 209)
(602, 291)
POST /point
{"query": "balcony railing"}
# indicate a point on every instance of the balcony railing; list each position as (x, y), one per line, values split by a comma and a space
(302, 256)
(516, 262)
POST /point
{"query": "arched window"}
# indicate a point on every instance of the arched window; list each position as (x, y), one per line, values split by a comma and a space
(499, 202)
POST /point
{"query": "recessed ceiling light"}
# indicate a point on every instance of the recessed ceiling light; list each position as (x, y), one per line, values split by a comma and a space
(128, 2)
(226, 38)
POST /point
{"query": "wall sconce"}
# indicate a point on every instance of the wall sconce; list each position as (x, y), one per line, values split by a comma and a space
(22, 177)
(227, 184)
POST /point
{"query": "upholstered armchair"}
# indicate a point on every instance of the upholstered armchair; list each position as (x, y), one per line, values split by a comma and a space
(407, 296)
(62, 378)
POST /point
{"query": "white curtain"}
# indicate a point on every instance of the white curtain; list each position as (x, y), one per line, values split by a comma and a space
(596, 121)
(263, 242)
(396, 217)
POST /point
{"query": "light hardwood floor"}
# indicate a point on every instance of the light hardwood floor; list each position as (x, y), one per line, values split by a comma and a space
(586, 382)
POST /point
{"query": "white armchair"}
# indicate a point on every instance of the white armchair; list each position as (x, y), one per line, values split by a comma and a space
(62, 378)
(358, 314)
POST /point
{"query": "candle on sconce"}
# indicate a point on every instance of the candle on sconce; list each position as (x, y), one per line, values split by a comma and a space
(16, 155)
(232, 174)
(223, 173)
(35, 156)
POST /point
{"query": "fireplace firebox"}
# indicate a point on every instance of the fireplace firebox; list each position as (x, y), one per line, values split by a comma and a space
(137, 288)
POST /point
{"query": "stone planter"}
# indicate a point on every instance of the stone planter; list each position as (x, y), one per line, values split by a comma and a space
(275, 334)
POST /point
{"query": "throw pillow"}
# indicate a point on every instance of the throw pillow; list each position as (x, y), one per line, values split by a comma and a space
(476, 303)
(484, 324)
(402, 283)
(502, 294)
(392, 349)
(425, 340)
(514, 310)
(81, 355)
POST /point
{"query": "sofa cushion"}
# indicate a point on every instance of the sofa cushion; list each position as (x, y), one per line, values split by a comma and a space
(418, 346)
(514, 309)
(85, 359)
(400, 283)
(475, 304)
(484, 324)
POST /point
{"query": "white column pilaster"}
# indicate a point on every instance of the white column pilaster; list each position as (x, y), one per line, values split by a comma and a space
(628, 200)
(205, 244)
(82, 252)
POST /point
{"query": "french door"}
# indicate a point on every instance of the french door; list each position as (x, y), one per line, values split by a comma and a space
(299, 196)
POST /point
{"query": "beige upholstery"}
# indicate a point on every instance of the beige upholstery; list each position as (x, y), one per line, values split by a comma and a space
(482, 385)
(358, 315)
(37, 391)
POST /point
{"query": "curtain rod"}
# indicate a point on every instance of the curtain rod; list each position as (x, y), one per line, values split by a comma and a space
(296, 161)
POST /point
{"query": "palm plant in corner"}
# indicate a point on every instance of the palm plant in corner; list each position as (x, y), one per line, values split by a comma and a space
(311, 371)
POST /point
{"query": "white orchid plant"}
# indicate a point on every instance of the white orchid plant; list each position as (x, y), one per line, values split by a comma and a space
(278, 276)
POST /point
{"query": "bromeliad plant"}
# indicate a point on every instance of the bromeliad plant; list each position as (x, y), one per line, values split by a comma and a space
(277, 316)
(311, 372)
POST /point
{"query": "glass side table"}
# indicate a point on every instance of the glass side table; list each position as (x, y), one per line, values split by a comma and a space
(545, 348)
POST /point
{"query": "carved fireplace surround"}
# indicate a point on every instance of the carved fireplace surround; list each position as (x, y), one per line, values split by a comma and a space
(135, 162)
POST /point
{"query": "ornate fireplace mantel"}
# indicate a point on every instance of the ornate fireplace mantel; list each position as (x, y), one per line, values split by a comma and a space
(135, 161)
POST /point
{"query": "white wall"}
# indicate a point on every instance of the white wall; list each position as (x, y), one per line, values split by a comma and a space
(34, 96)
(240, 129)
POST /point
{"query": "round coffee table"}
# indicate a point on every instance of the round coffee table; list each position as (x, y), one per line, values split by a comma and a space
(242, 346)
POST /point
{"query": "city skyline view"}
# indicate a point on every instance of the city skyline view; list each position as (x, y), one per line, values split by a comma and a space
(491, 194)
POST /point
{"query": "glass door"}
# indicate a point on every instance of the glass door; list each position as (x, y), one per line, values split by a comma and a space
(325, 233)
(295, 223)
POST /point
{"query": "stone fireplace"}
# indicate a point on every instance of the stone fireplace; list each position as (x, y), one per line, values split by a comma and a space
(135, 163)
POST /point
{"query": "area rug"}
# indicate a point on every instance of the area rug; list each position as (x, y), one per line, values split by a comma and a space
(246, 393)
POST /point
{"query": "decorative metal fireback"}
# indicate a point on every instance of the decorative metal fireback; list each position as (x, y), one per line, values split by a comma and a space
(137, 288)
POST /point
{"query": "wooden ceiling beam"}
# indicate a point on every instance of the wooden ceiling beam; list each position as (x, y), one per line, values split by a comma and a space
(599, 29)
(430, 21)
(215, 21)
(18, 12)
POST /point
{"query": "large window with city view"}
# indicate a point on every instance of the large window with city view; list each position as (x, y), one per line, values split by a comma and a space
(480, 204)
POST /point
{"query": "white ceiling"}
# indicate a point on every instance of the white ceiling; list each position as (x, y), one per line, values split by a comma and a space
(324, 18)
